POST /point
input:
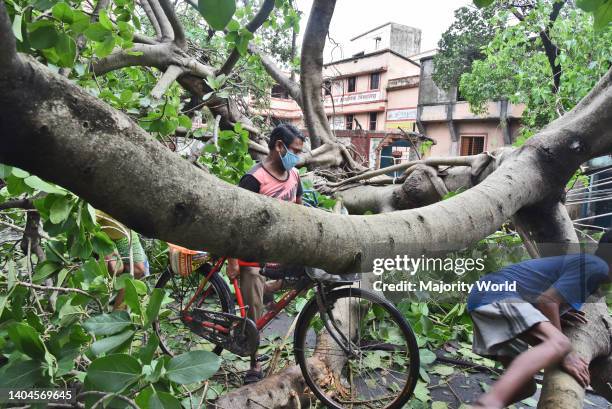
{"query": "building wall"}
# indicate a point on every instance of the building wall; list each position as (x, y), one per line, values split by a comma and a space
(437, 107)
(397, 37)
(491, 130)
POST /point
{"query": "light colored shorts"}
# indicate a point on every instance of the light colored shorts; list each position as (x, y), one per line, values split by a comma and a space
(498, 325)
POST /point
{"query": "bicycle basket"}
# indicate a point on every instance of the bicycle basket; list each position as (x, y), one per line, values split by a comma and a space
(184, 261)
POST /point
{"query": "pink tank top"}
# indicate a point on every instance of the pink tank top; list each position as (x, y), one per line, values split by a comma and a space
(271, 186)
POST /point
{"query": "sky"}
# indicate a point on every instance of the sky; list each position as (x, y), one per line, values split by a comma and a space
(353, 17)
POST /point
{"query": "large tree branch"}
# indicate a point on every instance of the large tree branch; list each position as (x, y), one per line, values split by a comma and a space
(550, 49)
(151, 16)
(259, 18)
(54, 129)
(177, 27)
(312, 72)
(160, 56)
(166, 80)
(164, 24)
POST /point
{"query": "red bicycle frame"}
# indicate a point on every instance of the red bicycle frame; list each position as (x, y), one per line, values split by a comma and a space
(277, 307)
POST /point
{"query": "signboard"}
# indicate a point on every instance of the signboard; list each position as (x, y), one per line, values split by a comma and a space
(402, 114)
(337, 122)
(357, 98)
(405, 125)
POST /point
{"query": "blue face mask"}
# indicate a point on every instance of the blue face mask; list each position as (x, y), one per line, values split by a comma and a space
(290, 159)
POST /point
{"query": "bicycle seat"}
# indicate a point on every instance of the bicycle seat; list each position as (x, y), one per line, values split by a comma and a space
(316, 274)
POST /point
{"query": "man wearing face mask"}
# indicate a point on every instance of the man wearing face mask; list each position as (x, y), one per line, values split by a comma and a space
(275, 176)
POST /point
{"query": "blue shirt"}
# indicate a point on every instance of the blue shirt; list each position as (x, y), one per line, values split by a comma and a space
(574, 276)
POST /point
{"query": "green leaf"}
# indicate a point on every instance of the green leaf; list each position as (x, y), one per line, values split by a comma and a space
(210, 148)
(60, 209)
(3, 302)
(105, 21)
(106, 47)
(443, 370)
(80, 22)
(27, 340)
(421, 392)
(589, 5)
(62, 12)
(17, 27)
(20, 374)
(108, 324)
(126, 96)
(483, 3)
(163, 400)
(147, 352)
(42, 36)
(97, 32)
(603, 15)
(191, 367)
(107, 344)
(426, 356)
(155, 301)
(20, 173)
(131, 297)
(102, 244)
(5, 171)
(184, 121)
(39, 184)
(44, 270)
(113, 373)
(217, 13)
(66, 50)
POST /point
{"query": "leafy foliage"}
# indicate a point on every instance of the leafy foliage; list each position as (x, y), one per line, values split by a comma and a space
(461, 44)
(516, 68)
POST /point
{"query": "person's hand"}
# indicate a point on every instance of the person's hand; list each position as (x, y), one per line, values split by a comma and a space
(576, 366)
(232, 269)
(573, 317)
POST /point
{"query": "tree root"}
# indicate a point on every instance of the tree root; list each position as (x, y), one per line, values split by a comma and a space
(286, 389)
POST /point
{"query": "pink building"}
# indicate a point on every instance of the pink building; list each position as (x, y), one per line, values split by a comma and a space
(378, 96)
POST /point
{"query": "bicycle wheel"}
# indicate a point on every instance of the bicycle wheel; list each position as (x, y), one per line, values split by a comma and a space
(174, 337)
(381, 367)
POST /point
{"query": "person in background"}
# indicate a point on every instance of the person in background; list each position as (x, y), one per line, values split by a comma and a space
(274, 176)
(126, 241)
(549, 291)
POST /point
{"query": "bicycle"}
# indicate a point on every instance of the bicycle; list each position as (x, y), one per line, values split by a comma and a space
(339, 330)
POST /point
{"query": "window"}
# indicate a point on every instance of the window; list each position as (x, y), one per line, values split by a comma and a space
(375, 80)
(352, 82)
(472, 145)
(373, 116)
(279, 92)
(349, 121)
(377, 43)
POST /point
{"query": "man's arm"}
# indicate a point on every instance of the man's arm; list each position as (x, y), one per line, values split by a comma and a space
(300, 192)
(549, 303)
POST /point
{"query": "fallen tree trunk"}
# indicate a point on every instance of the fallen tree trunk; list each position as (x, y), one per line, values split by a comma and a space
(56, 130)
(591, 341)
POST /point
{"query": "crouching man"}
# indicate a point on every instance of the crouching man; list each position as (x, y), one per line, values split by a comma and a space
(506, 323)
